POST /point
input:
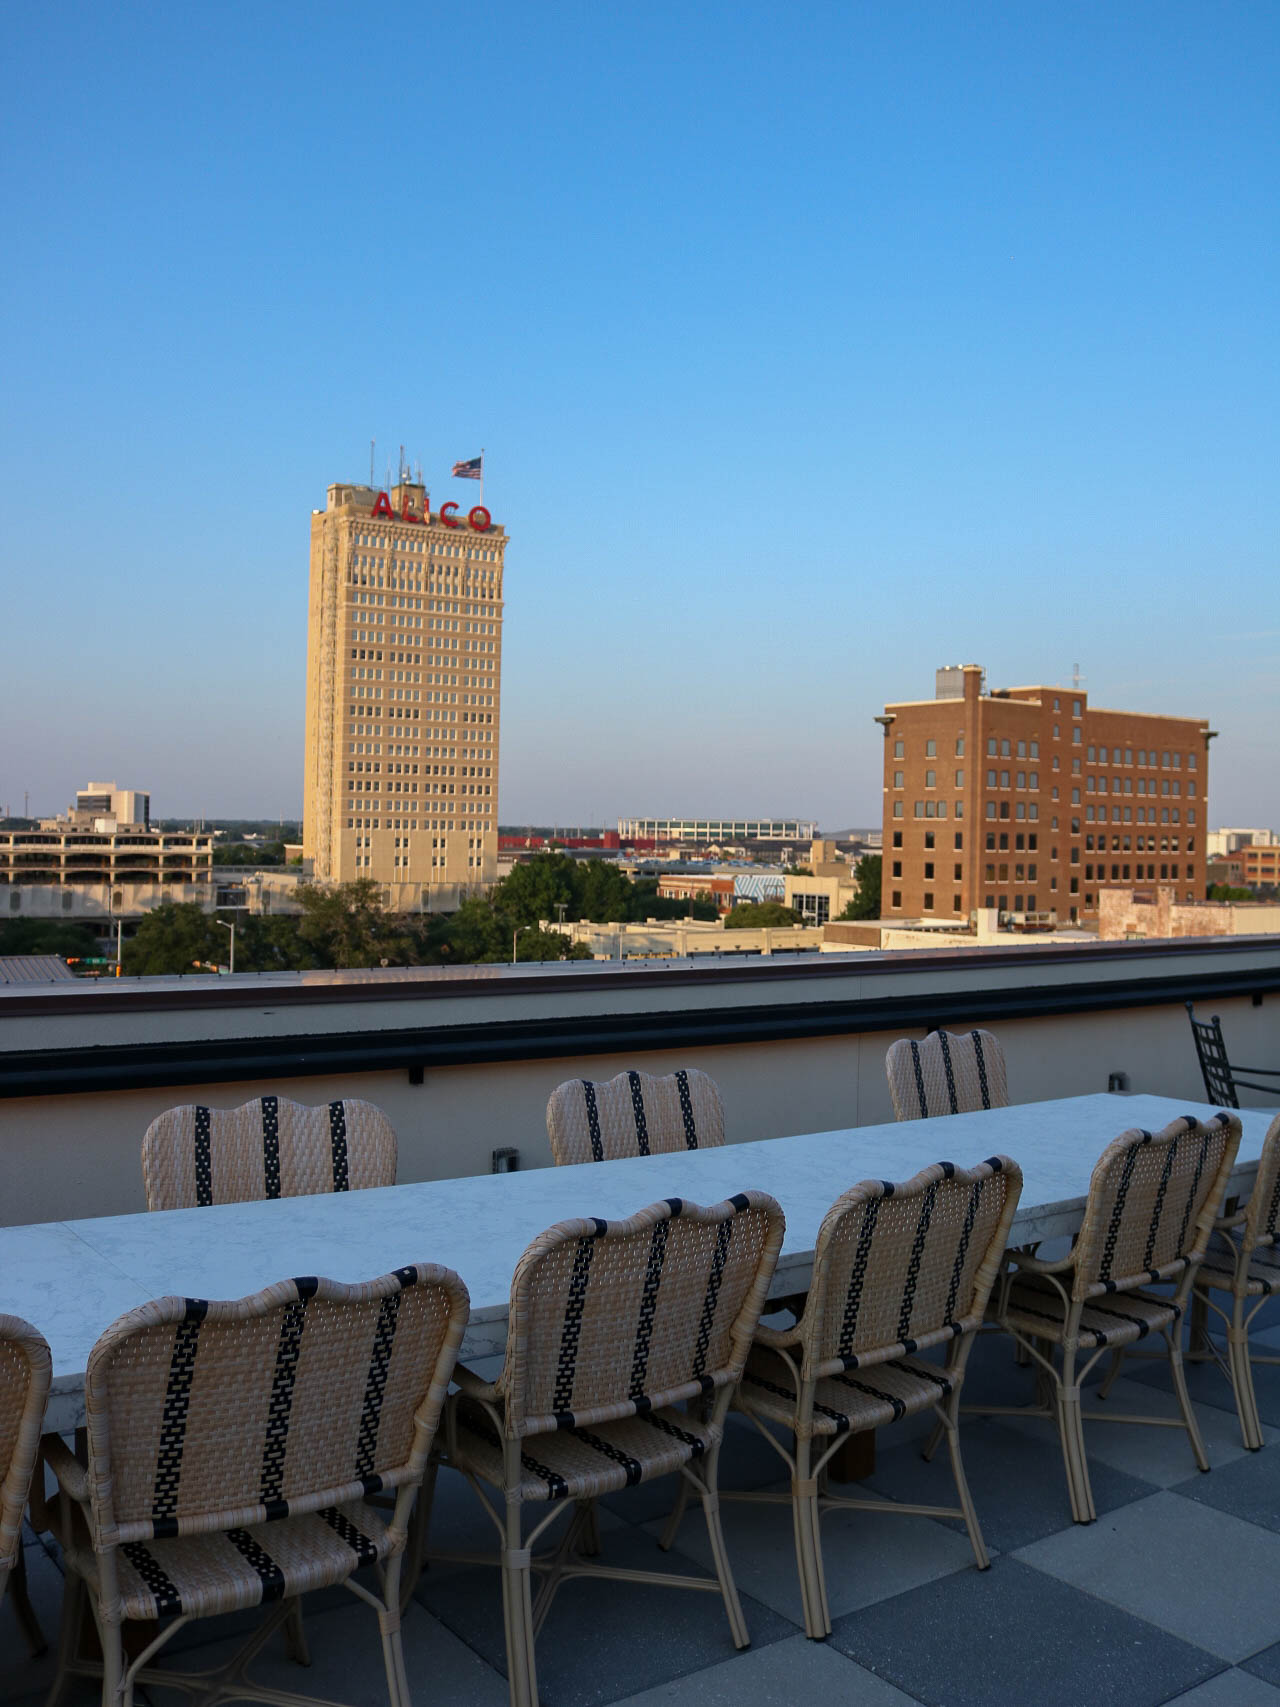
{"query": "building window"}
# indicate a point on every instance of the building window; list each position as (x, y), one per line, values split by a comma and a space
(897, 779)
(959, 839)
(931, 749)
(959, 779)
(991, 747)
(899, 750)
(931, 779)
(928, 900)
(956, 873)
(928, 869)
(897, 838)
(955, 903)
(897, 868)
(897, 809)
(895, 898)
(960, 749)
(928, 838)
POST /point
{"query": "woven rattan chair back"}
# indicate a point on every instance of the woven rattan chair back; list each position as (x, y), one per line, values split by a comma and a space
(25, 1371)
(898, 1268)
(271, 1147)
(634, 1114)
(1215, 1069)
(1152, 1202)
(612, 1317)
(946, 1074)
(1262, 1214)
(211, 1416)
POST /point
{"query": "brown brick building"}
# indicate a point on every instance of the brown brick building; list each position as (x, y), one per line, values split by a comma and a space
(1259, 865)
(1030, 800)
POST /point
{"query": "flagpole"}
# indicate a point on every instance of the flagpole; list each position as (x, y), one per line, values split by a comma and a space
(482, 474)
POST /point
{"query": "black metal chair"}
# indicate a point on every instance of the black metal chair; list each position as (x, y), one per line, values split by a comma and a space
(1220, 1080)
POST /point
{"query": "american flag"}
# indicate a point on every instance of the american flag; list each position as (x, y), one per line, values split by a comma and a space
(472, 470)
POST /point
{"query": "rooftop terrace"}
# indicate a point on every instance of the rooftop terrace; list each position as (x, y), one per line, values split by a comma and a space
(1168, 1597)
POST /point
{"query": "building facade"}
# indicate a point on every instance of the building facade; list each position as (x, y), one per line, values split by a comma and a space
(1031, 801)
(105, 838)
(1260, 865)
(711, 830)
(404, 665)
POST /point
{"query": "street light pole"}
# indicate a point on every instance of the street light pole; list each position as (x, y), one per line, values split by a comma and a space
(232, 929)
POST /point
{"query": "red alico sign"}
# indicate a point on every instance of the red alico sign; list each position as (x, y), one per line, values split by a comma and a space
(478, 518)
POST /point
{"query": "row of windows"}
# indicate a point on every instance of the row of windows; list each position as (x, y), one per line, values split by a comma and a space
(895, 900)
(1144, 787)
(1166, 761)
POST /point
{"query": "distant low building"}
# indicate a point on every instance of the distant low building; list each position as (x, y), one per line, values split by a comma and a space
(105, 838)
(1133, 914)
(705, 832)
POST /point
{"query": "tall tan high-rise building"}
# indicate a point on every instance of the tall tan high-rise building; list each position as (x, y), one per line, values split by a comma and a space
(404, 662)
(1030, 801)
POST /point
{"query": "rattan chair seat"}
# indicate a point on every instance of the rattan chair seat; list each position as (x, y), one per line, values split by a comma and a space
(583, 1463)
(229, 1570)
(853, 1401)
(1036, 1307)
(1218, 1269)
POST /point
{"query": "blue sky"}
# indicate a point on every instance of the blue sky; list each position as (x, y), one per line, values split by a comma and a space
(810, 350)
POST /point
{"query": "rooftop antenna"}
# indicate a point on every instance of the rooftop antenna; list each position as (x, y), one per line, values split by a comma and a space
(400, 475)
(1076, 677)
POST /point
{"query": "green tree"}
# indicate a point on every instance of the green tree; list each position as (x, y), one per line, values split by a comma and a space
(171, 939)
(46, 936)
(539, 944)
(347, 926)
(758, 915)
(533, 890)
(646, 903)
(1229, 892)
(248, 853)
(866, 898)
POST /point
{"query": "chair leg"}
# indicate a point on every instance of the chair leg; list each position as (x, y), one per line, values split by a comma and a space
(117, 1688)
(1184, 1402)
(667, 1538)
(1198, 1345)
(419, 1525)
(295, 1636)
(1117, 1358)
(73, 1602)
(967, 1506)
(393, 1656)
(22, 1604)
(517, 1606)
(1066, 1400)
(813, 1596)
(720, 1558)
(589, 1536)
(933, 1443)
(1242, 1383)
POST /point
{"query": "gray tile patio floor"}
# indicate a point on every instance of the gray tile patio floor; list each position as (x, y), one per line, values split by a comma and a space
(1170, 1597)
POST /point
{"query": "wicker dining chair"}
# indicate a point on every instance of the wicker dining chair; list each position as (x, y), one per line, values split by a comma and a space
(897, 1269)
(946, 1074)
(613, 1324)
(230, 1447)
(1150, 1210)
(1242, 1262)
(25, 1372)
(634, 1114)
(270, 1147)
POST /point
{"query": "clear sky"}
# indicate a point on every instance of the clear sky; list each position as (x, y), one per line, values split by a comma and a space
(811, 348)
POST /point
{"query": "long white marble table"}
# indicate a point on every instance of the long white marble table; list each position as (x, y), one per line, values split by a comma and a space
(73, 1278)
